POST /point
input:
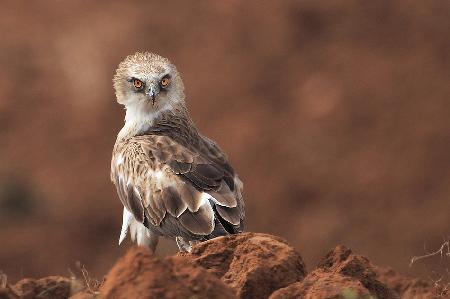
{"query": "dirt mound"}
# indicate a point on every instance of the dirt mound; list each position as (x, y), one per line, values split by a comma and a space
(52, 287)
(341, 261)
(320, 284)
(140, 274)
(253, 265)
(249, 265)
(339, 274)
(411, 287)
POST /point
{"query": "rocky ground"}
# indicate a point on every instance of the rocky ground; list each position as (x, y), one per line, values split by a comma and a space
(249, 265)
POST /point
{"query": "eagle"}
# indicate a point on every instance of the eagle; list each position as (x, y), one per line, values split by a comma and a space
(172, 181)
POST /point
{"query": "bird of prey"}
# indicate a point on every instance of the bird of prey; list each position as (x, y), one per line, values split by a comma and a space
(172, 181)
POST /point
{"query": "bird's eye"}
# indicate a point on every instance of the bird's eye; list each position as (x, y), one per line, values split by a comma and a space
(138, 83)
(165, 82)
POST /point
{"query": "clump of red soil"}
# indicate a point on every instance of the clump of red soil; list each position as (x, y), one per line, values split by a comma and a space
(253, 265)
(248, 265)
(52, 287)
(142, 275)
(338, 274)
(411, 287)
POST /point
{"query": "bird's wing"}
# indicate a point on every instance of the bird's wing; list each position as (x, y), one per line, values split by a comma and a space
(157, 177)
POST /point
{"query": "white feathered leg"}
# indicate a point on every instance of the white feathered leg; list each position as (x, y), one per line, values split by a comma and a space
(139, 233)
(183, 245)
(126, 220)
(142, 236)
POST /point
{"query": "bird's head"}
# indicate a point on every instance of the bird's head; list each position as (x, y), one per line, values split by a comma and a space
(147, 84)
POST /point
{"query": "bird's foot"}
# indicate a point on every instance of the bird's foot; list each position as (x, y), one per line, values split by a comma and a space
(183, 245)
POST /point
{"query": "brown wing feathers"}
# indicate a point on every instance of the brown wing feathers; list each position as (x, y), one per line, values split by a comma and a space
(173, 202)
(177, 198)
(200, 222)
(191, 196)
(154, 207)
(224, 196)
(130, 199)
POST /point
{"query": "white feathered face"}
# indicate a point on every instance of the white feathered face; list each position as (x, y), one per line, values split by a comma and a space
(148, 83)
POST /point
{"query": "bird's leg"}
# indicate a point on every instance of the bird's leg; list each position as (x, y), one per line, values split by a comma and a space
(183, 245)
(192, 243)
(153, 242)
(143, 236)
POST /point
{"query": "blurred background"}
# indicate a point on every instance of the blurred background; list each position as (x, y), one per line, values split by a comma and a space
(335, 114)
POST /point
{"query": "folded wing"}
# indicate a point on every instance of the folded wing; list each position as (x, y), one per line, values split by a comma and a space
(176, 190)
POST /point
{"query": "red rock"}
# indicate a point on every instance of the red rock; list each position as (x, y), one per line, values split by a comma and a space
(252, 264)
(340, 274)
(248, 265)
(52, 287)
(324, 285)
(411, 287)
(83, 295)
(341, 260)
(140, 274)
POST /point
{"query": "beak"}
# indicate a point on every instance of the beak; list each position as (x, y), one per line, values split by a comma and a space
(152, 93)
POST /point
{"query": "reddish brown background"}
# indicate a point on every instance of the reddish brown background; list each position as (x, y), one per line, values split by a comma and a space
(334, 113)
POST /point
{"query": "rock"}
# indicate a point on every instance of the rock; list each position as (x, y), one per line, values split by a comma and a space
(83, 295)
(340, 274)
(248, 265)
(54, 287)
(324, 285)
(254, 265)
(411, 287)
(140, 274)
(48, 287)
(341, 260)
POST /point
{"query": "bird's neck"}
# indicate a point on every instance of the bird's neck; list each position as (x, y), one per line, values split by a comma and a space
(165, 121)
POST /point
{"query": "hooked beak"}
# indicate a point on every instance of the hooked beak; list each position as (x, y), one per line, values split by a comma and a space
(152, 93)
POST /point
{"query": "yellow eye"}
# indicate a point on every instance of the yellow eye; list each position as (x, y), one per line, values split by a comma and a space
(138, 83)
(165, 82)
